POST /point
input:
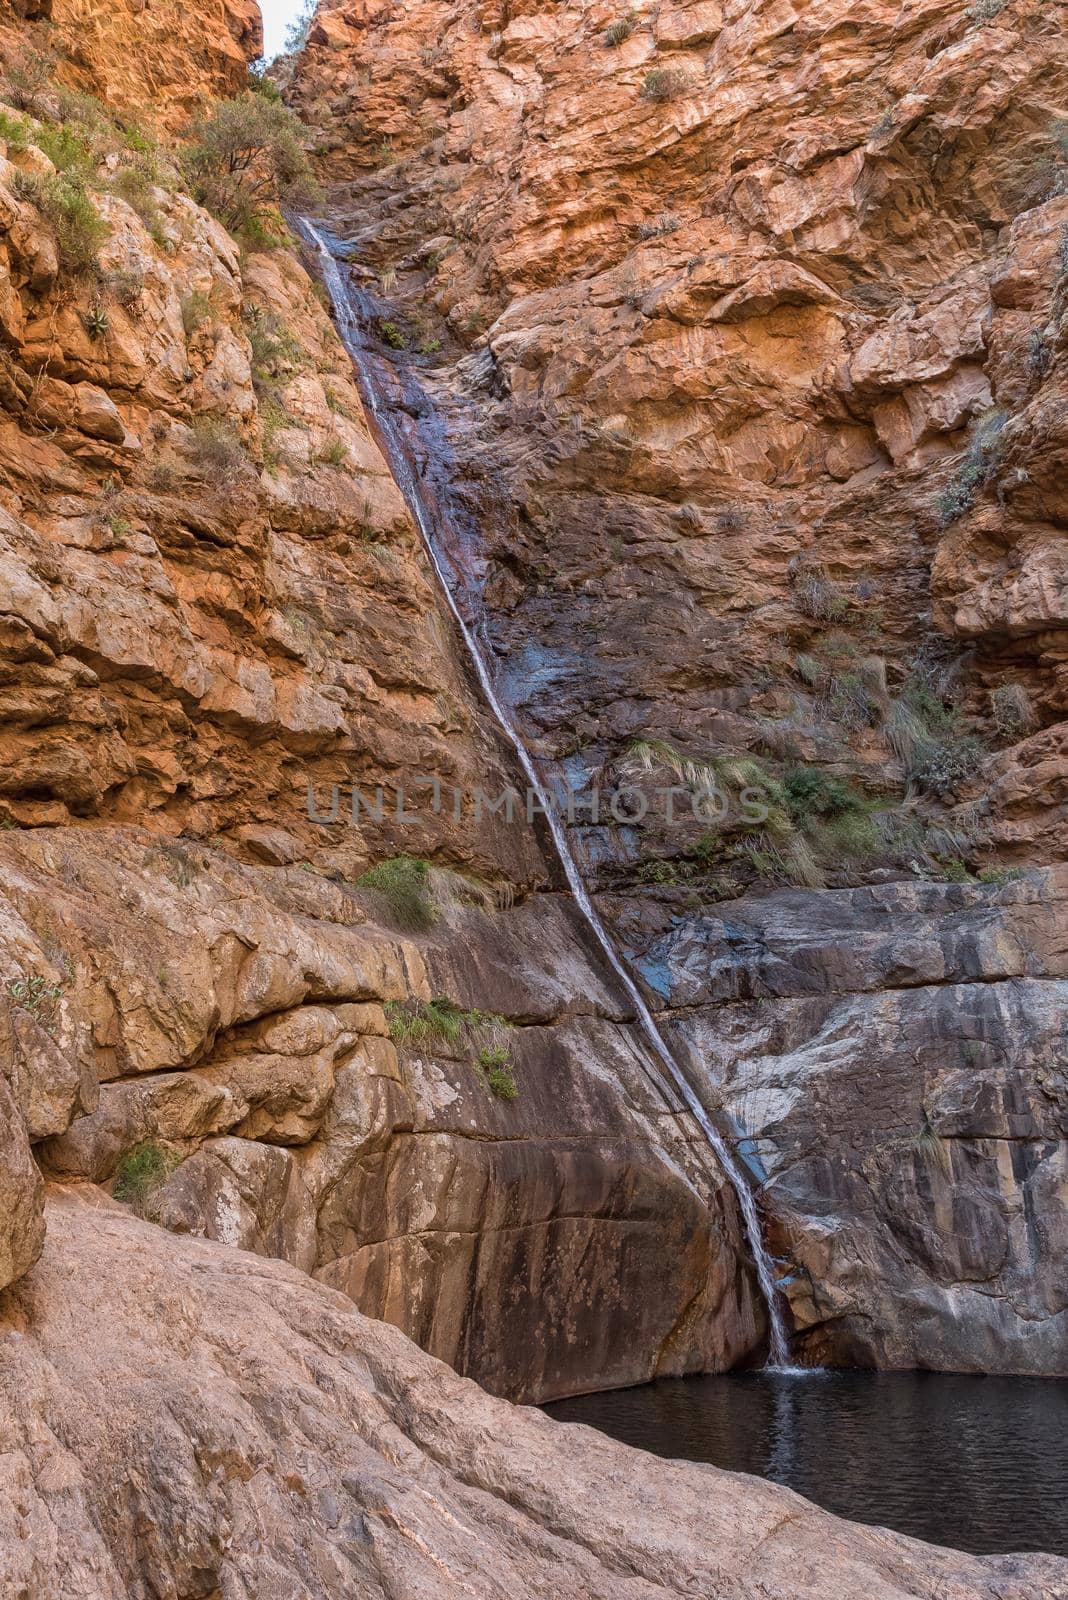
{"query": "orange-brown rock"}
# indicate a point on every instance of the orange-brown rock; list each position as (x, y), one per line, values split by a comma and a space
(719, 289)
(155, 60)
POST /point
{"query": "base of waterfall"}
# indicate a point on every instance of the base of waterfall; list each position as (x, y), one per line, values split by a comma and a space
(970, 1461)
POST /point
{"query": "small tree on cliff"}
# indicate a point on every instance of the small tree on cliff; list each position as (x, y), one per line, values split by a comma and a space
(245, 159)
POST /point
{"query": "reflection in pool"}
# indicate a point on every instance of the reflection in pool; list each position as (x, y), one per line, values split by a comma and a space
(979, 1463)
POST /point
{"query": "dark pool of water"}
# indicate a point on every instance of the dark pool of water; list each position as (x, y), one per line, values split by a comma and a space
(980, 1464)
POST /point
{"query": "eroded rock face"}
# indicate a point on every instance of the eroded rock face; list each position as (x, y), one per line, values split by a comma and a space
(154, 59)
(277, 1444)
(720, 290)
(893, 1062)
(226, 1023)
(216, 616)
(735, 361)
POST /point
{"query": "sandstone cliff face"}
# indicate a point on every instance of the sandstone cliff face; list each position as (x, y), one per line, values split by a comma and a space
(743, 331)
(184, 1419)
(156, 59)
(214, 603)
(213, 597)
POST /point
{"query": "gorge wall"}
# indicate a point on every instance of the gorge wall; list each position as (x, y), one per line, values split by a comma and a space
(214, 601)
(732, 340)
(745, 400)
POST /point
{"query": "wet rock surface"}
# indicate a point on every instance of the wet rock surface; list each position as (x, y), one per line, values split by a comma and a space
(893, 1063)
(729, 344)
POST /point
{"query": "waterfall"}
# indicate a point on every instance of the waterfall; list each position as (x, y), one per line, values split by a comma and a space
(348, 325)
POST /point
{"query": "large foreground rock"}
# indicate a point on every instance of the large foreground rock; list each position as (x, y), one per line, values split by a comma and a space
(180, 1419)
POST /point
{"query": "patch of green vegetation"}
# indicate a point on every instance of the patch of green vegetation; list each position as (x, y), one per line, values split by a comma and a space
(36, 995)
(244, 159)
(498, 1068)
(334, 454)
(141, 1174)
(957, 872)
(79, 229)
(97, 322)
(978, 463)
(12, 132)
(405, 887)
(664, 83)
(424, 1021)
(811, 793)
(996, 876)
(393, 334)
(808, 669)
(65, 146)
(274, 349)
(619, 30)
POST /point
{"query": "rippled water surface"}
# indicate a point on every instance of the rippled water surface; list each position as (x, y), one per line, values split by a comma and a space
(977, 1463)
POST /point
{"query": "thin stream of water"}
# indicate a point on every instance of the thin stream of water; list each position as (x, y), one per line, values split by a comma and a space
(349, 328)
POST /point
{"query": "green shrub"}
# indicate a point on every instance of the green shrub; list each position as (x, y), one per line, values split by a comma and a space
(259, 83)
(79, 229)
(808, 670)
(12, 132)
(664, 83)
(999, 875)
(142, 1172)
(405, 887)
(334, 454)
(498, 1069)
(274, 349)
(811, 792)
(422, 1021)
(949, 764)
(979, 461)
(393, 334)
(66, 147)
(37, 995)
(617, 31)
(245, 158)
